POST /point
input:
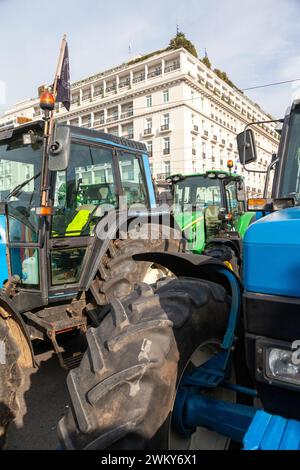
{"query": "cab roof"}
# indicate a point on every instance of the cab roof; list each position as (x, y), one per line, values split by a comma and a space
(80, 132)
(217, 172)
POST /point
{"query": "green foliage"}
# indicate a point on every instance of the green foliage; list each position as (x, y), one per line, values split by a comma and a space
(225, 78)
(181, 41)
(206, 62)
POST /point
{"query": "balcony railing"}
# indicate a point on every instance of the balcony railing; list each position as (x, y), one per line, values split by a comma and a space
(193, 151)
(155, 73)
(86, 97)
(139, 78)
(124, 83)
(148, 131)
(195, 129)
(113, 118)
(99, 122)
(98, 91)
(215, 137)
(171, 68)
(165, 127)
(129, 135)
(111, 88)
(127, 114)
(163, 176)
(166, 151)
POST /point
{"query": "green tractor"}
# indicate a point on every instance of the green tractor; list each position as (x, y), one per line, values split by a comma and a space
(210, 208)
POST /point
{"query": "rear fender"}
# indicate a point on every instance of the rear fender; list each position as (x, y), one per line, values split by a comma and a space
(190, 265)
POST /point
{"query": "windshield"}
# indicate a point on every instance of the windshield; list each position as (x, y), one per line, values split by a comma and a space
(197, 191)
(290, 184)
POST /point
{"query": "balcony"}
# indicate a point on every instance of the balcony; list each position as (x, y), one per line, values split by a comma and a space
(139, 78)
(222, 143)
(195, 129)
(171, 68)
(98, 91)
(113, 118)
(127, 114)
(165, 128)
(99, 122)
(86, 97)
(166, 151)
(193, 151)
(148, 131)
(111, 88)
(124, 83)
(155, 73)
(162, 176)
(129, 135)
(205, 134)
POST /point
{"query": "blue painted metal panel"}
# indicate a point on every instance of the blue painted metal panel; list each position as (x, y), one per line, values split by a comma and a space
(152, 199)
(226, 418)
(272, 254)
(268, 432)
(3, 261)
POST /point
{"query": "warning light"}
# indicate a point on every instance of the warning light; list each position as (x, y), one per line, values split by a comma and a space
(47, 101)
(44, 211)
(230, 164)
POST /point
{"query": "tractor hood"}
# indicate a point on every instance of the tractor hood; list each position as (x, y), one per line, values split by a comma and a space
(272, 254)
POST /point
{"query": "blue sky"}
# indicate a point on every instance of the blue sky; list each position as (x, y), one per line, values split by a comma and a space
(254, 41)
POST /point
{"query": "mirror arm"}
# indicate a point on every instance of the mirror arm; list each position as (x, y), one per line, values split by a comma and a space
(270, 167)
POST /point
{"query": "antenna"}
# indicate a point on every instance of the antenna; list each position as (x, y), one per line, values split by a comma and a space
(129, 49)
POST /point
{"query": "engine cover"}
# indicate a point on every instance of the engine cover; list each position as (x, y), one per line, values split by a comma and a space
(272, 254)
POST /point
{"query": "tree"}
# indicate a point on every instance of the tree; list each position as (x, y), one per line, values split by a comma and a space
(181, 41)
(206, 62)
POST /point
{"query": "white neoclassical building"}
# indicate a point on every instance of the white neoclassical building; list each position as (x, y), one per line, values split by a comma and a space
(187, 116)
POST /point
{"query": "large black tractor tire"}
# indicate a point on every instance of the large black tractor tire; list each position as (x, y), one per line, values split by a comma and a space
(124, 390)
(226, 254)
(15, 355)
(118, 272)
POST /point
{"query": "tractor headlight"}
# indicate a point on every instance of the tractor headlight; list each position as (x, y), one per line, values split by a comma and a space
(278, 362)
(281, 365)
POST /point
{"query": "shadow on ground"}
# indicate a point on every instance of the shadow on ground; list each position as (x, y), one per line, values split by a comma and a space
(43, 400)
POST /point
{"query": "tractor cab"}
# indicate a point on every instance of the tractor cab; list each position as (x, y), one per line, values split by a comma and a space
(210, 206)
(88, 173)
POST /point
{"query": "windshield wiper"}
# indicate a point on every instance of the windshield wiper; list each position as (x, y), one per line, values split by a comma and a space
(15, 191)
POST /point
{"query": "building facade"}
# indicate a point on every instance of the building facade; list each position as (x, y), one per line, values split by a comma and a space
(187, 116)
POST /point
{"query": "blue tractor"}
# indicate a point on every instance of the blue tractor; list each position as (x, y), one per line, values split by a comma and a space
(202, 361)
(74, 207)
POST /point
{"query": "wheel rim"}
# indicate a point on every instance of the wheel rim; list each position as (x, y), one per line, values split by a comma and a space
(203, 438)
(156, 272)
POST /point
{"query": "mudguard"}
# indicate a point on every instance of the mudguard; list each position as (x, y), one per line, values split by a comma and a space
(109, 228)
(190, 265)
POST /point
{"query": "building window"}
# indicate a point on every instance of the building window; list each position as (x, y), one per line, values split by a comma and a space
(166, 149)
(148, 124)
(193, 146)
(149, 145)
(167, 168)
(166, 96)
(149, 101)
(166, 122)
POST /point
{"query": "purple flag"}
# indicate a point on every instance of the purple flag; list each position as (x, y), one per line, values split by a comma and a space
(63, 86)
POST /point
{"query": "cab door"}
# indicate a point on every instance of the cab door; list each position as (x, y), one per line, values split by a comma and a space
(83, 193)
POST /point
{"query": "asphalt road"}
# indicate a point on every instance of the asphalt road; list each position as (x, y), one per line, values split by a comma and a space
(43, 400)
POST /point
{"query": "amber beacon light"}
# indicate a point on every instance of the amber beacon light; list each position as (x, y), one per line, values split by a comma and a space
(47, 101)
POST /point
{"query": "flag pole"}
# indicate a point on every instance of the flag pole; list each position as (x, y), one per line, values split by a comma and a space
(48, 128)
(55, 83)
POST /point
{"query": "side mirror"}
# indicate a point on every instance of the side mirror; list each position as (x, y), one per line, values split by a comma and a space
(60, 149)
(246, 147)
